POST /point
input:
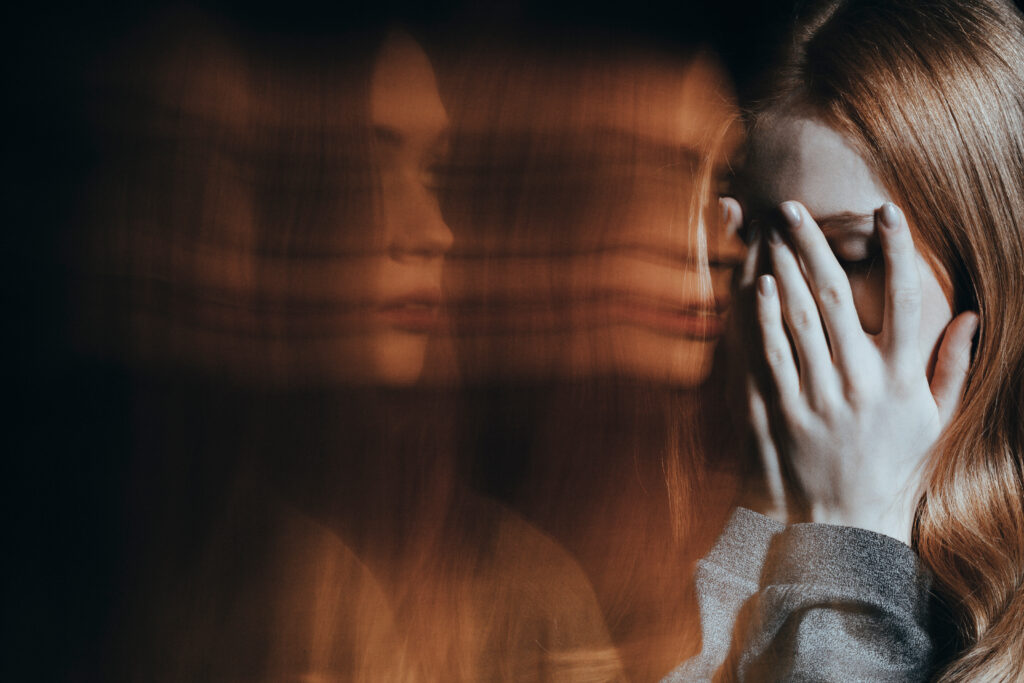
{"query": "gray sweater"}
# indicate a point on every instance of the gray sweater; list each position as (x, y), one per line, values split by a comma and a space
(810, 602)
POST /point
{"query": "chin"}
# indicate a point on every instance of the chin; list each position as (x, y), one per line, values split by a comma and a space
(398, 358)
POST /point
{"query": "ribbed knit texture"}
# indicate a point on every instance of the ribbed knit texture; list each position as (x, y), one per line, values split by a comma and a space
(809, 602)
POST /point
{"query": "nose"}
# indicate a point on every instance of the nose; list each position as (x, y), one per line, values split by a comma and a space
(416, 228)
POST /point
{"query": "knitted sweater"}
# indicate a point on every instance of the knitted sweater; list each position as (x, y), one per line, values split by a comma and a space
(810, 602)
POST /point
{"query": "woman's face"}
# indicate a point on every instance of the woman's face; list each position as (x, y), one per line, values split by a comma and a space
(409, 128)
(804, 160)
(655, 320)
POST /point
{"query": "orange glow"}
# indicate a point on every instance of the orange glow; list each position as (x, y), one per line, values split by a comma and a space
(411, 351)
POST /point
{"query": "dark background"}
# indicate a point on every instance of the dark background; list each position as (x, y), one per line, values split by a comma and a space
(67, 441)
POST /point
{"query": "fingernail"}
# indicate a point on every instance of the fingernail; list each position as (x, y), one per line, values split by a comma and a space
(723, 209)
(792, 213)
(774, 237)
(766, 285)
(890, 216)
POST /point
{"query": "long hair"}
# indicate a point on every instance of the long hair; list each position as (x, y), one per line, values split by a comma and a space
(931, 93)
(228, 167)
(224, 243)
(558, 152)
(553, 150)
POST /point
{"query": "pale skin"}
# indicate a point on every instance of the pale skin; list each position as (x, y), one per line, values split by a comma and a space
(864, 378)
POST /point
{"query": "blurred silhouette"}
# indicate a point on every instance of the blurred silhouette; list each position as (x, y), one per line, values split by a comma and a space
(264, 251)
(588, 297)
(583, 180)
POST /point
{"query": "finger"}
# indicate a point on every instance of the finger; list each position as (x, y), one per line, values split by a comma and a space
(952, 363)
(732, 215)
(829, 285)
(767, 452)
(800, 312)
(777, 350)
(902, 318)
(726, 248)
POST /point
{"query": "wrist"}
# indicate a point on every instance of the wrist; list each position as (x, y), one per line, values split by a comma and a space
(893, 519)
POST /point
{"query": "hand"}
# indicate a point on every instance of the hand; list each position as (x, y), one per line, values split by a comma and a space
(858, 414)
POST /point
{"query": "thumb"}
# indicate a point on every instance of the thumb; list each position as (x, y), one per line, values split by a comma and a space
(952, 363)
(732, 213)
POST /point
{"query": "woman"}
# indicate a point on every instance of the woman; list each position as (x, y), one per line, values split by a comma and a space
(591, 283)
(265, 267)
(873, 407)
(294, 506)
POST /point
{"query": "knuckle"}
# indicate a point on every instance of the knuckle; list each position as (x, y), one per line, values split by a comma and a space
(801, 319)
(830, 295)
(831, 410)
(797, 421)
(824, 404)
(858, 392)
(775, 356)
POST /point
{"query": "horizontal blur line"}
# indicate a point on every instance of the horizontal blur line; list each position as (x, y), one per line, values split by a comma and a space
(158, 242)
(168, 322)
(132, 289)
(684, 257)
(599, 296)
(162, 243)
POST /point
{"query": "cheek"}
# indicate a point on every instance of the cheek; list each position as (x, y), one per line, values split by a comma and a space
(869, 298)
(936, 311)
(397, 357)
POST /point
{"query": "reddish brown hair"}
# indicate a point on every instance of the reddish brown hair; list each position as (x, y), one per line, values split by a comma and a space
(932, 95)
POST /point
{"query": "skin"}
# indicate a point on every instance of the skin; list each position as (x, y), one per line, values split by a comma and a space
(805, 161)
(592, 267)
(410, 127)
(655, 319)
(866, 361)
(365, 307)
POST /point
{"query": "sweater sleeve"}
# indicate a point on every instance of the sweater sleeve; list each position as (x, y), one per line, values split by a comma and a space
(726, 578)
(827, 603)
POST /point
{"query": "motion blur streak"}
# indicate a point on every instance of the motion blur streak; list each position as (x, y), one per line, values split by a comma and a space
(417, 340)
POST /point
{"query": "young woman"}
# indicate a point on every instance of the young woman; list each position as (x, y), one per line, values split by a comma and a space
(294, 511)
(883, 195)
(587, 310)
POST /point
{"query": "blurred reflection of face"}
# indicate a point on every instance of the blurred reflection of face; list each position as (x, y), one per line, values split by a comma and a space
(655, 320)
(409, 137)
